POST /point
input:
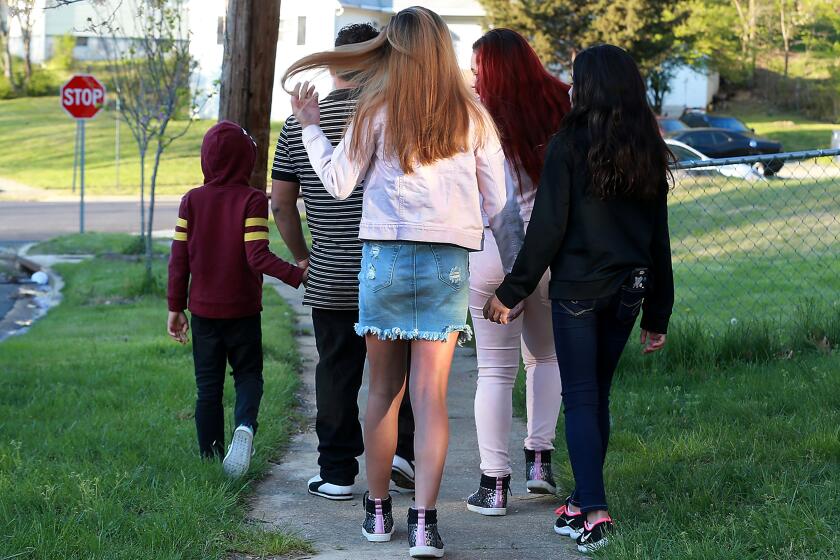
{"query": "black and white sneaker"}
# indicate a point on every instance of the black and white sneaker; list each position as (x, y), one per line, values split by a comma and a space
(538, 473)
(569, 524)
(491, 496)
(423, 538)
(320, 487)
(238, 458)
(402, 473)
(595, 536)
(379, 521)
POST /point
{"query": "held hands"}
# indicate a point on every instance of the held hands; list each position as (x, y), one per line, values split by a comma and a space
(497, 312)
(178, 326)
(652, 341)
(304, 264)
(305, 105)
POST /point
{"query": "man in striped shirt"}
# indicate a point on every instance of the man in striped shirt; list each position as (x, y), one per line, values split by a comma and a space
(332, 290)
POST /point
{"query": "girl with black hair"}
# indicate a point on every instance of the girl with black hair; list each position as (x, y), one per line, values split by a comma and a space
(600, 221)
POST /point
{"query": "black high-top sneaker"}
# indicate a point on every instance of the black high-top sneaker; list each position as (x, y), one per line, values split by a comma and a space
(491, 496)
(423, 537)
(379, 522)
(540, 478)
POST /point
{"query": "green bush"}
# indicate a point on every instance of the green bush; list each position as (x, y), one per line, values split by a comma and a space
(43, 83)
(62, 58)
(7, 90)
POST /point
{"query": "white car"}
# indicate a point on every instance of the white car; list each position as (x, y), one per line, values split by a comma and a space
(684, 152)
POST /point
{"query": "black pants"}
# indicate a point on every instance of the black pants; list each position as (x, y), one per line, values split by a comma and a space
(589, 336)
(338, 378)
(217, 342)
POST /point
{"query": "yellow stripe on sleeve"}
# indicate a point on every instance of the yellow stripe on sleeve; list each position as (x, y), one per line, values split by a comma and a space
(181, 223)
(180, 236)
(250, 222)
(256, 235)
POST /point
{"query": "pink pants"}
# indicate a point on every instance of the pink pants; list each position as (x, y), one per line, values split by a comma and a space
(498, 349)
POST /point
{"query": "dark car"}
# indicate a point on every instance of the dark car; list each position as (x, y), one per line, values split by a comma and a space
(670, 125)
(722, 143)
(701, 119)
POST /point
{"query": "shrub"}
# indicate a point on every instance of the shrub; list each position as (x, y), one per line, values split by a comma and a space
(43, 83)
(62, 58)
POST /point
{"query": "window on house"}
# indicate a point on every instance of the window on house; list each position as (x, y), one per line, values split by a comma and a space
(220, 31)
(81, 41)
(301, 36)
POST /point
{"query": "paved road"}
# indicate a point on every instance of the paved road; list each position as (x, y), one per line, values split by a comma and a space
(35, 221)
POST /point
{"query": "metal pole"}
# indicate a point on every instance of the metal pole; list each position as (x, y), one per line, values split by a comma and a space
(82, 177)
(75, 156)
(117, 140)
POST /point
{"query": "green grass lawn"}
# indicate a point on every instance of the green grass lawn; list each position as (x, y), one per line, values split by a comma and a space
(795, 132)
(38, 150)
(736, 463)
(98, 457)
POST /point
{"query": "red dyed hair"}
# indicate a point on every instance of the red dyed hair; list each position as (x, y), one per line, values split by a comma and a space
(527, 103)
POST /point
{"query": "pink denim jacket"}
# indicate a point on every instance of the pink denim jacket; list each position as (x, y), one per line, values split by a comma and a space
(442, 202)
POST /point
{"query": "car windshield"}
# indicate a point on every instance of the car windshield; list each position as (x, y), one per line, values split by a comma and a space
(683, 154)
(729, 123)
(672, 125)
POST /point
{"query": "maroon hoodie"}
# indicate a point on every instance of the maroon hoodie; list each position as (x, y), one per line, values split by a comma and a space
(220, 246)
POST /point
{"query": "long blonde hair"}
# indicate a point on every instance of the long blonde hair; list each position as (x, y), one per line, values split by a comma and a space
(409, 71)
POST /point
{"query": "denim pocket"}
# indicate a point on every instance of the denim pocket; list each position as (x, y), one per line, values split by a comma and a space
(629, 304)
(378, 263)
(576, 307)
(452, 266)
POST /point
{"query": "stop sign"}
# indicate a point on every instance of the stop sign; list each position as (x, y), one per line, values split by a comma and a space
(82, 96)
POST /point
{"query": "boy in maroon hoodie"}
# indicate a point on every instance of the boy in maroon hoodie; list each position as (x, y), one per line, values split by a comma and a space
(219, 255)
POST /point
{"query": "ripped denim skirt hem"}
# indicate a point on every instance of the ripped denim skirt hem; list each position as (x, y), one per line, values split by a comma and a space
(413, 291)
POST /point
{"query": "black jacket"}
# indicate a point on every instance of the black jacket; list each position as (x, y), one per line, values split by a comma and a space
(592, 245)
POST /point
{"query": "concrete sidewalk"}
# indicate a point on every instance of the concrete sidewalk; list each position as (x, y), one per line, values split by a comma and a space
(282, 502)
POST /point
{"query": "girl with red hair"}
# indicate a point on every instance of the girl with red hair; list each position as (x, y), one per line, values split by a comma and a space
(527, 104)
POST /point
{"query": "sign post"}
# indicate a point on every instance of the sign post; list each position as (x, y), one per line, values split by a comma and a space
(82, 97)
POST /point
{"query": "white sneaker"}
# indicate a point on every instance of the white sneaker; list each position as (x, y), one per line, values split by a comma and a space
(402, 473)
(238, 457)
(318, 487)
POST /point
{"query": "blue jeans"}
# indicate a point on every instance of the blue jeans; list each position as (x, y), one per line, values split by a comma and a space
(589, 336)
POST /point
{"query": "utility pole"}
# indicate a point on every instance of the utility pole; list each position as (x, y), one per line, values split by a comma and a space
(251, 32)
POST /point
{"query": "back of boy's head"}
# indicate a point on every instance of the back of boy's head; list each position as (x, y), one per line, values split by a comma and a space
(356, 33)
(228, 155)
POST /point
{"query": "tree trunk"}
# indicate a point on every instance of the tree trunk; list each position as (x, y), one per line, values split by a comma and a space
(785, 35)
(27, 55)
(142, 193)
(251, 33)
(150, 222)
(4, 29)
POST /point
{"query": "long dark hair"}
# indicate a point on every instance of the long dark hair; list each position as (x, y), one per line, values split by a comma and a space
(627, 155)
(526, 102)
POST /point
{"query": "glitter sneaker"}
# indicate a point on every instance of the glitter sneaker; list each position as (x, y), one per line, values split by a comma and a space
(540, 478)
(423, 537)
(491, 496)
(379, 522)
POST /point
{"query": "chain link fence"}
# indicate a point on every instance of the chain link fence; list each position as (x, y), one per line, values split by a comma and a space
(756, 238)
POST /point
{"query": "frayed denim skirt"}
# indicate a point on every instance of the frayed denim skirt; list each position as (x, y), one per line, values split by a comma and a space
(413, 291)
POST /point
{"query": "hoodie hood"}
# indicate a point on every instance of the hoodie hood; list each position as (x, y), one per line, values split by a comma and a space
(228, 154)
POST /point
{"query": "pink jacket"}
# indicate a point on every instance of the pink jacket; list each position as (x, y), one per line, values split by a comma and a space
(442, 202)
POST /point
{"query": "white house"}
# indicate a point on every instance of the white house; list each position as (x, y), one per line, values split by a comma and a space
(50, 22)
(308, 26)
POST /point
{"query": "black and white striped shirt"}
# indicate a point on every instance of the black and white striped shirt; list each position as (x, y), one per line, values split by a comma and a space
(336, 253)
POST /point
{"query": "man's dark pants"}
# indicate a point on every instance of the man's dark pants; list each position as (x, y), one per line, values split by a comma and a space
(217, 342)
(338, 378)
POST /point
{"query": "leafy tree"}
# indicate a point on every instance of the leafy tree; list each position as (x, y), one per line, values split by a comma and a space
(556, 28)
(151, 77)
